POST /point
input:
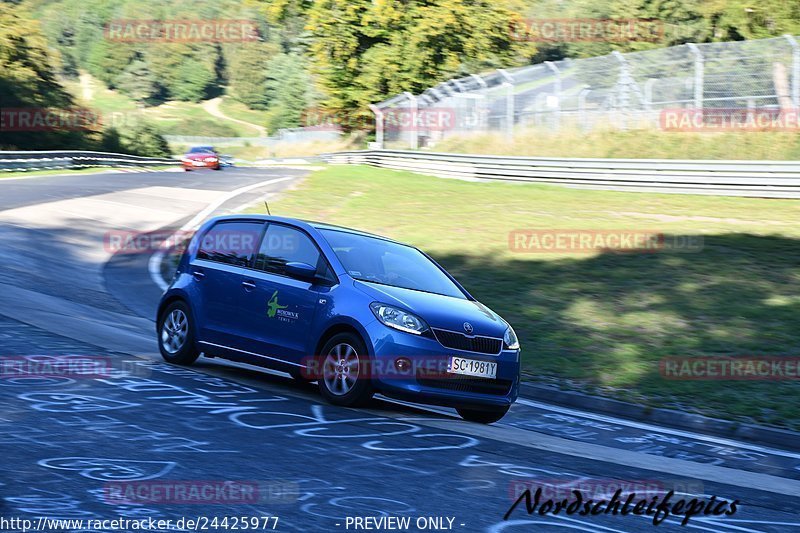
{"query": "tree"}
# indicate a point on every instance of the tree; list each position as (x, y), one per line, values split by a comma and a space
(191, 80)
(28, 83)
(364, 51)
(146, 140)
(247, 73)
(289, 92)
(138, 82)
(27, 74)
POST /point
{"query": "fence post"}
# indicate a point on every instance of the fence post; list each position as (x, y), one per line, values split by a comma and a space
(552, 66)
(624, 83)
(648, 99)
(414, 107)
(699, 69)
(378, 125)
(648, 93)
(584, 119)
(483, 112)
(509, 85)
(537, 109)
(795, 70)
(458, 108)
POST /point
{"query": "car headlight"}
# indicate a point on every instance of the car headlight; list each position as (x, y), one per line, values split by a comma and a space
(398, 319)
(510, 339)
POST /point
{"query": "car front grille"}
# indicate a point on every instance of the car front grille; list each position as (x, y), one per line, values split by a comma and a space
(459, 341)
(497, 387)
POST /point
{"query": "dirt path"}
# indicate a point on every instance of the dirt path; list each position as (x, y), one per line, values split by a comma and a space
(212, 108)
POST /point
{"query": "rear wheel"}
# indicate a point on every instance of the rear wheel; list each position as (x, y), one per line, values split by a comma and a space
(344, 371)
(176, 335)
(483, 416)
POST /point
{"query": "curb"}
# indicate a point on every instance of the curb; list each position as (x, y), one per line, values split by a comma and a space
(751, 433)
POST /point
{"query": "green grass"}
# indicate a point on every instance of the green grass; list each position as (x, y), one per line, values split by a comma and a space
(172, 118)
(238, 110)
(635, 143)
(187, 118)
(601, 322)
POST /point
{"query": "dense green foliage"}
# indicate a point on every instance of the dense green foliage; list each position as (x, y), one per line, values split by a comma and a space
(337, 55)
(29, 85)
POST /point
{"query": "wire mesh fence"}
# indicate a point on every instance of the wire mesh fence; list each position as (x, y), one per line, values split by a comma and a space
(687, 87)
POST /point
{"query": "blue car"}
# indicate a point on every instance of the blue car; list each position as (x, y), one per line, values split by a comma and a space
(356, 312)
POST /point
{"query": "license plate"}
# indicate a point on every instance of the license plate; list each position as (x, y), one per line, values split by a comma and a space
(472, 367)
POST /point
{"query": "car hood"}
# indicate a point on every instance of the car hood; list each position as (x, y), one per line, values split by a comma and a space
(438, 311)
(198, 155)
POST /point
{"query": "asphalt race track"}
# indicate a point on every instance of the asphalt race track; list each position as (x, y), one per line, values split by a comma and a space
(69, 442)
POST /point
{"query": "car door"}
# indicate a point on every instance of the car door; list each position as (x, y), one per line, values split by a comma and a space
(218, 268)
(279, 311)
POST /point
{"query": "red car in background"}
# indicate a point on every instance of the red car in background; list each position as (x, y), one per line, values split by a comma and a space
(201, 157)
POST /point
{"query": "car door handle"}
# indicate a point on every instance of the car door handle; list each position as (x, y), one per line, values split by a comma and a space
(249, 285)
(198, 274)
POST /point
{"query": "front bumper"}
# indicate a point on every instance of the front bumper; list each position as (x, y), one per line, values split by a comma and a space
(428, 382)
(201, 164)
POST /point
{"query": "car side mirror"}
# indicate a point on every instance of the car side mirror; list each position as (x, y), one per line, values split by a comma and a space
(302, 271)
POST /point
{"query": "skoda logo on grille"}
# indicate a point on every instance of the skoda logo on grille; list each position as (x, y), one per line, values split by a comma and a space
(468, 328)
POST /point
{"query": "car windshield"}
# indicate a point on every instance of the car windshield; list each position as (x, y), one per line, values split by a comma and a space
(201, 150)
(388, 263)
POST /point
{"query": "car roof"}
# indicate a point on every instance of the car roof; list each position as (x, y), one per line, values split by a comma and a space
(306, 224)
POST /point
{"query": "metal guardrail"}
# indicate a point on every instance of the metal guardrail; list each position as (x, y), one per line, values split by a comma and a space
(772, 179)
(69, 159)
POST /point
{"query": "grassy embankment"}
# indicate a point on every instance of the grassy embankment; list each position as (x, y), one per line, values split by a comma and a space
(601, 322)
(636, 144)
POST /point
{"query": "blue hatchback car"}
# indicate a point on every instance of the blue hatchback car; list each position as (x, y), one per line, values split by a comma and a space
(356, 312)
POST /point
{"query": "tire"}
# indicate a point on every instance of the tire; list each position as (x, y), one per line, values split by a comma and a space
(176, 339)
(483, 416)
(353, 388)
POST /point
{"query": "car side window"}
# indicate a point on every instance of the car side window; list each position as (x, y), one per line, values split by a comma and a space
(231, 243)
(284, 244)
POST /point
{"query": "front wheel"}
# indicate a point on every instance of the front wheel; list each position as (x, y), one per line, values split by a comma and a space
(344, 374)
(176, 335)
(483, 416)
